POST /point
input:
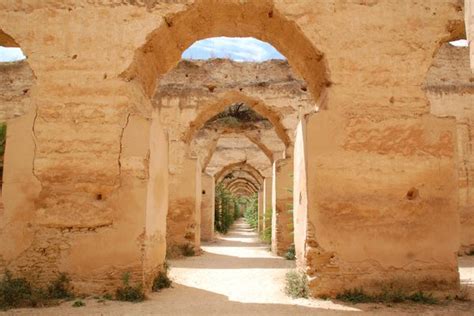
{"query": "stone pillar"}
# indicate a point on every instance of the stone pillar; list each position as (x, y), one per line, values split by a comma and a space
(207, 207)
(267, 203)
(184, 213)
(282, 205)
(260, 210)
(300, 196)
(469, 18)
(384, 208)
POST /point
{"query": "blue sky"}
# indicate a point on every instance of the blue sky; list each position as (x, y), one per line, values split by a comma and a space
(235, 48)
(10, 54)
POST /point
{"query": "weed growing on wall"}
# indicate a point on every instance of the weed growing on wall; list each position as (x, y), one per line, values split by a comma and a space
(387, 296)
(161, 282)
(296, 284)
(128, 292)
(19, 292)
(290, 253)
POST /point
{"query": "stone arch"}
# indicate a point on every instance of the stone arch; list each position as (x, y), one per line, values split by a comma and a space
(267, 152)
(219, 176)
(242, 191)
(211, 18)
(241, 181)
(232, 97)
(6, 40)
(241, 175)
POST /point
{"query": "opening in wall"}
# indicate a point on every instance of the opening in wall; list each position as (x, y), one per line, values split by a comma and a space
(3, 137)
(460, 43)
(238, 49)
(11, 54)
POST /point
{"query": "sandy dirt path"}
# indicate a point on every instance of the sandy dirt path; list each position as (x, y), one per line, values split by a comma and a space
(237, 275)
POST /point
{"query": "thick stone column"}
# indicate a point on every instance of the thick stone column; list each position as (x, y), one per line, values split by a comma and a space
(382, 203)
(469, 18)
(184, 213)
(300, 196)
(282, 204)
(260, 210)
(267, 203)
(207, 207)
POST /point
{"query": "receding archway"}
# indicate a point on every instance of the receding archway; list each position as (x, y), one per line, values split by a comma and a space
(210, 18)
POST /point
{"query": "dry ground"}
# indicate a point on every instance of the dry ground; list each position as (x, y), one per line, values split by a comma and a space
(237, 275)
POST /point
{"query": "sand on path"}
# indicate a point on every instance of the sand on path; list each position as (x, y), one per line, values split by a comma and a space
(237, 275)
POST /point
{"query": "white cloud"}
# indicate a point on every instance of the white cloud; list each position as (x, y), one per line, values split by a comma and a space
(8, 54)
(235, 48)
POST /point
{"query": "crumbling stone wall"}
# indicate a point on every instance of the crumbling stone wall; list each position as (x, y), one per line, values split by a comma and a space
(16, 81)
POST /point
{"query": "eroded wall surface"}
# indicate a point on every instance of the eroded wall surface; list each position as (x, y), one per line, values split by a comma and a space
(16, 80)
(207, 207)
(184, 213)
(450, 89)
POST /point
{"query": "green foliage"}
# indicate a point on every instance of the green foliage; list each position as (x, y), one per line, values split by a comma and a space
(236, 209)
(266, 235)
(296, 284)
(108, 297)
(3, 138)
(14, 292)
(78, 303)
(225, 213)
(187, 250)
(251, 211)
(129, 293)
(390, 295)
(161, 282)
(60, 288)
(290, 253)
(19, 292)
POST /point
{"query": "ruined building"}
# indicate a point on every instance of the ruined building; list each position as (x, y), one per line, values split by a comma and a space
(114, 146)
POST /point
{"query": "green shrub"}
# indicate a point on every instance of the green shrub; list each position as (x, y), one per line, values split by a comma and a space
(251, 211)
(266, 235)
(129, 293)
(78, 303)
(187, 250)
(354, 296)
(19, 292)
(60, 288)
(296, 285)
(14, 292)
(290, 253)
(390, 295)
(161, 282)
(226, 209)
(108, 297)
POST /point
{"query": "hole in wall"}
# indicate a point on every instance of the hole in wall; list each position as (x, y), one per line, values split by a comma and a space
(412, 194)
(240, 49)
(460, 43)
(99, 197)
(11, 54)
